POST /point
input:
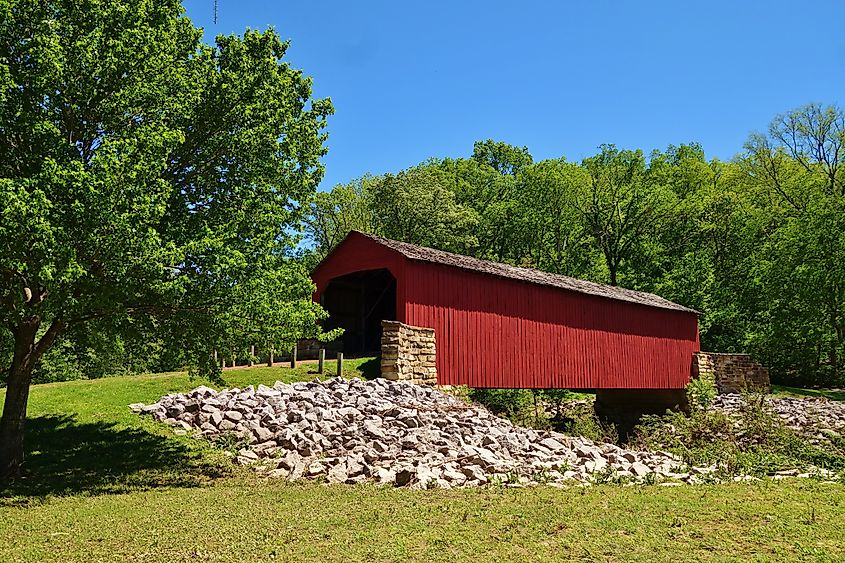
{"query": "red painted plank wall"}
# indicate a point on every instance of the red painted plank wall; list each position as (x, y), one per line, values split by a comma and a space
(497, 332)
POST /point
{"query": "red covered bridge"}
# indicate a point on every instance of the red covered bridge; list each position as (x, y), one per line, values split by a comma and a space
(506, 327)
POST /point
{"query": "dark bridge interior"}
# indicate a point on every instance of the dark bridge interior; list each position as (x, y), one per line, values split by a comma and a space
(358, 302)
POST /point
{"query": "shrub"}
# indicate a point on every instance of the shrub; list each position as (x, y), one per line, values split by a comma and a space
(556, 400)
(754, 441)
(521, 406)
(700, 392)
(580, 419)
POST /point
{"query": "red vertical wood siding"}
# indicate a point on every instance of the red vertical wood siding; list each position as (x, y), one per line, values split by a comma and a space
(498, 332)
(505, 333)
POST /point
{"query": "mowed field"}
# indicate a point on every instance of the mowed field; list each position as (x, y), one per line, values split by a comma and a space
(103, 484)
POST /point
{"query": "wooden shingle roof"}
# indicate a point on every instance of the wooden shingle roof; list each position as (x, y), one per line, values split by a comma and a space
(530, 275)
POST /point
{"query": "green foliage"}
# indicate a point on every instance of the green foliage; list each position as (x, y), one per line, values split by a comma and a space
(547, 409)
(580, 419)
(60, 363)
(523, 407)
(416, 206)
(505, 159)
(549, 227)
(803, 271)
(700, 392)
(230, 442)
(332, 215)
(755, 442)
(621, 204)
(144, 174)
(100, 349)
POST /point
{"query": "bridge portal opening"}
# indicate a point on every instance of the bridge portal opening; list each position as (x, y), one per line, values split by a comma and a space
(358, 302)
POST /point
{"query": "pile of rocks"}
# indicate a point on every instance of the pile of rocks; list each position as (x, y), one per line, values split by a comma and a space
(351, 431)
(816, 419)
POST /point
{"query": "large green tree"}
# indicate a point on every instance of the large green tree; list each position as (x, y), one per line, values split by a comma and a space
(549, 224)
(333, 214)
(796, 176)
(479, 186)
(145, 174)
(621, 204)
(417, 206)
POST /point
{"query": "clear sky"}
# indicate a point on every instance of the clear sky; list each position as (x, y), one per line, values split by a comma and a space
(411, 80)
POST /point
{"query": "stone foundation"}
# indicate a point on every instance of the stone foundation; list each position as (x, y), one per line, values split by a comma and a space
(408, 353)
(732, 373)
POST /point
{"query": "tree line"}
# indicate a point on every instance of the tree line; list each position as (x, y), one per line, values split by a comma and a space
(756, 243)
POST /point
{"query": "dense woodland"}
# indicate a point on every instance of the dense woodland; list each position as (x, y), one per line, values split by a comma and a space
(756, 243)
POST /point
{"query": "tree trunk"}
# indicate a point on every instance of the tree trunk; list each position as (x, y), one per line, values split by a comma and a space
(26, 354)
(17, 394)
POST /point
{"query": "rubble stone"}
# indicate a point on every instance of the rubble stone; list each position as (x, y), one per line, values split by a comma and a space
(351, 431)
(817, 419)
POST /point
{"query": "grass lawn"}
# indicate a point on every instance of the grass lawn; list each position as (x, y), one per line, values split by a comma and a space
(833, 395)
(103, 485)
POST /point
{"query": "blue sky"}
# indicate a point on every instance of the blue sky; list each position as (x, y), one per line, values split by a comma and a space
(411, 80)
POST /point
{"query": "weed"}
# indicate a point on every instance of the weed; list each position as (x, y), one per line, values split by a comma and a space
(700, 392)
(497, 481)
(542, 476)
(753, 441)
(231, 442)
(605, 475)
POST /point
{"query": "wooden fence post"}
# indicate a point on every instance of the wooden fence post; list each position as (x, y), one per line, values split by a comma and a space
(270, 358)
(252, 355)
(293, 358)
(340, 364)
(321, 360)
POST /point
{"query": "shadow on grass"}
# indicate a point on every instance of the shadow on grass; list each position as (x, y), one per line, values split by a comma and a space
(64, 457)
(371, 369)
(832, 394)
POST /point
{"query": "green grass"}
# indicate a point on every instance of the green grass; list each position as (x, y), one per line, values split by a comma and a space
(837, 395)
(248, 520)
(82, 437)
(103, 485)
